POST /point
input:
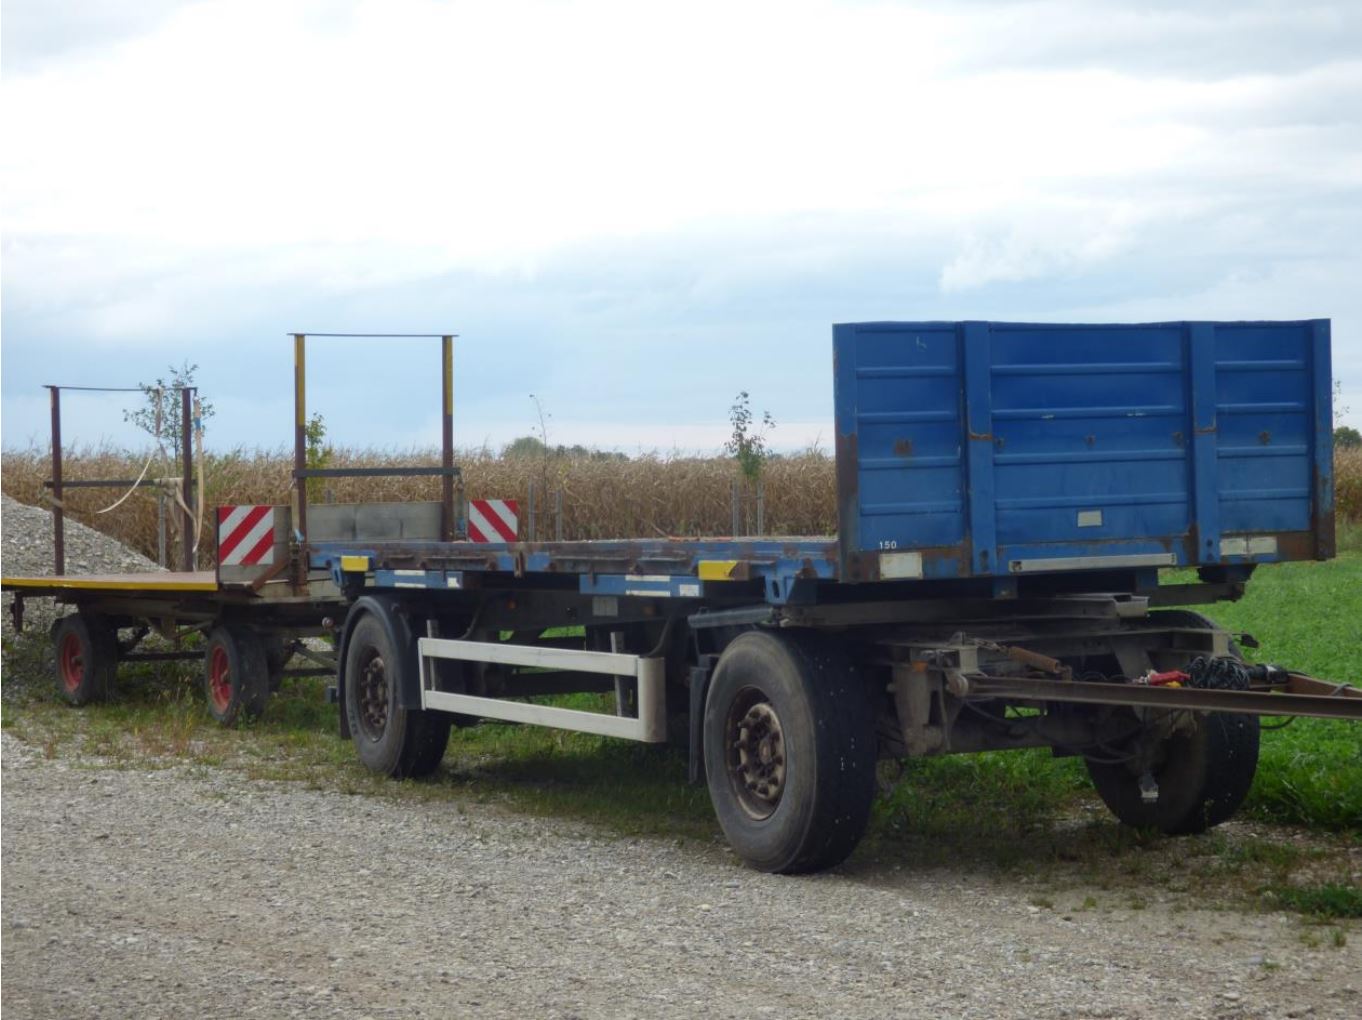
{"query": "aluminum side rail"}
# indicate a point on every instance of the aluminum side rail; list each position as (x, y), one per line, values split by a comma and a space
(649, 727)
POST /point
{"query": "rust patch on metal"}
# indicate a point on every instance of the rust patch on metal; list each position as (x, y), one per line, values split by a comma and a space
(848, 497)
(981, 437)
(1322, 524)
(1265, 437)
(1299, 683)
(858, 567)
(961, 555)
(903, 447)
(1295, 545)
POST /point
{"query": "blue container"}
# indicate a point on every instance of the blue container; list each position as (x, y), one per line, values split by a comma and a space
(1007, 449)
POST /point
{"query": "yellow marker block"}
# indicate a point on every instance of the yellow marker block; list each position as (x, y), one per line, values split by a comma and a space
(716, 570)
(355, 564)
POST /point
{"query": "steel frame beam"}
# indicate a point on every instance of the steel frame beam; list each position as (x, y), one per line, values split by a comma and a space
(1345, 703)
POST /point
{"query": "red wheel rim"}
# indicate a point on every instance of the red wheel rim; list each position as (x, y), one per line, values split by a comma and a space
(72, 663)
(219, 678)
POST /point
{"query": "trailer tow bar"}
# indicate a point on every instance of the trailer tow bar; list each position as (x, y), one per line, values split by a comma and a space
(1298, 695)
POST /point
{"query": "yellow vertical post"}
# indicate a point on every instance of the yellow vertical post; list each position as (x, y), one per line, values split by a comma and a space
(300, 434)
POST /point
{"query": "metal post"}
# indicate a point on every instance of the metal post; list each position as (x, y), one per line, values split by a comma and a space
(58, 514)
(187, 476)
(621, 682)
(461, 508)
(161, 526)
(300, 432)
(447, 442)
(558, 516)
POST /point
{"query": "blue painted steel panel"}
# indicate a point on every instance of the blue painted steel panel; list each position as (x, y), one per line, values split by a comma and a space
(987, 445)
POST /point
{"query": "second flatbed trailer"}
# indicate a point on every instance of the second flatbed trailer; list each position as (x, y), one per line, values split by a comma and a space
(1008, 495)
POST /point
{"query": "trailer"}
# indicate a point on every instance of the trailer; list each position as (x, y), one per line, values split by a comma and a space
(1010, 497)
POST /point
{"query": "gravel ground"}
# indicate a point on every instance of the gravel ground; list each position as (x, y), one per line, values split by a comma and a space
(195, 892)
(26, 551)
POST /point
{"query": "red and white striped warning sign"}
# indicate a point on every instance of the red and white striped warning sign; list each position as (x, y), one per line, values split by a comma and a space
(492, 520)
(245, 535)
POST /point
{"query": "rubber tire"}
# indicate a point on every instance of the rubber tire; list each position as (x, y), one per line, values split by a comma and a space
(1188, 618)
(826, 715)
(413, 742)
(247, 673)
(1203, 779)
(278, 652)
(93, 644)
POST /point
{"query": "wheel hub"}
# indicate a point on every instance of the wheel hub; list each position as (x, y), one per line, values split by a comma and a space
(757, 757)
(220, 679)
(373, 697)
(72, 663)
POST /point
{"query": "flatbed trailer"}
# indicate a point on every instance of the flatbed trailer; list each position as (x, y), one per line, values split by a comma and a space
(1008, 495)
(251, 635)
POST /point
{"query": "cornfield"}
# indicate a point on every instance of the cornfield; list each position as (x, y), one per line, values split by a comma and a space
(601, 498)
(1348, 484)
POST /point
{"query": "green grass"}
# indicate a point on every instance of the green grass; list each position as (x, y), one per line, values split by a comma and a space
(1328, 901)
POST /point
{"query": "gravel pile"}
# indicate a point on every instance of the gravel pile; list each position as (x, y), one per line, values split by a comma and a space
(26, 551)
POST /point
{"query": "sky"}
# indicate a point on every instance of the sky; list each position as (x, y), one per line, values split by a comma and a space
(634, 210)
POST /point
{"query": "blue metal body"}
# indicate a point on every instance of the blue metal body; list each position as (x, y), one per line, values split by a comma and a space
(991, 448)
(989, 453)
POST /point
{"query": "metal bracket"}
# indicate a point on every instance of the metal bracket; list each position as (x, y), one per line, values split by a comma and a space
(650, 726)
(699, 690)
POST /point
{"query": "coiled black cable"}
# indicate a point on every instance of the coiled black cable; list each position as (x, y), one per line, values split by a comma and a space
(1217, 674)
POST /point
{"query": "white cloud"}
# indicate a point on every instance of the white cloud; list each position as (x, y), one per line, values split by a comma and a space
(216, 165)
(413, 135)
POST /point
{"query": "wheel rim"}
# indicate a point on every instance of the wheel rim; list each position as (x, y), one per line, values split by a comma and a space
(72, 663)
(220, 678)
(755, 744)
(372, 688)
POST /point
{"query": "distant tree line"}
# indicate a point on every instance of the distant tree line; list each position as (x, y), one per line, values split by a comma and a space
(534, 447)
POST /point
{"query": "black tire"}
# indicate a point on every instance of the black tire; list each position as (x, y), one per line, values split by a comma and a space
(278, 652)
(1203, 777)
(86, 648)
(236, 681)
(793, 715)
(390, 740)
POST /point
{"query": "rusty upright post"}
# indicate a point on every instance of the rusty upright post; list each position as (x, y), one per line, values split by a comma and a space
(447, 441)
(187, 477)
(299, 433)
(58, 513)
